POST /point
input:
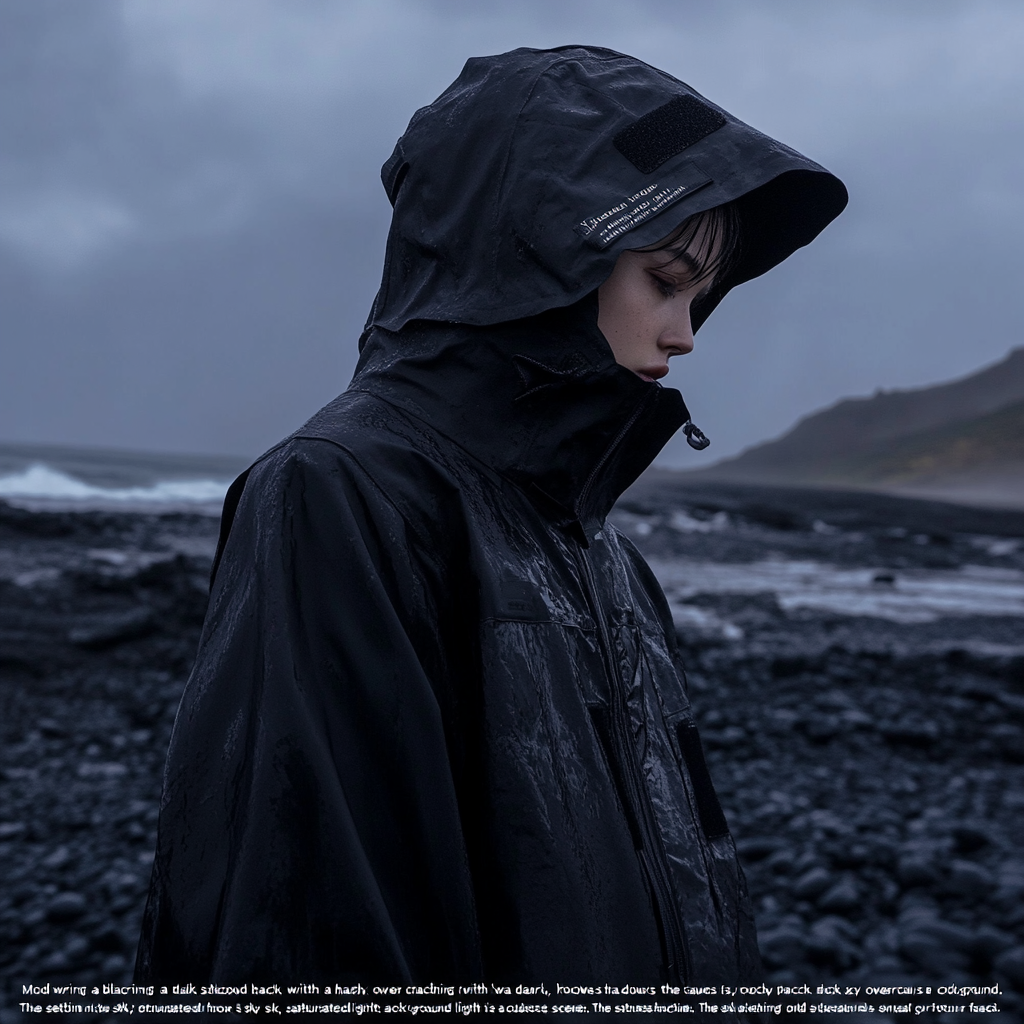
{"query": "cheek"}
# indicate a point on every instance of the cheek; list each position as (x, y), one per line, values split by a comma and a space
(621, 304)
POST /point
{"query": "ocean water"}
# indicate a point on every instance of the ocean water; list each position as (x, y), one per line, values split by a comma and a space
(911, 595)
(732, 558)
(50, 477)
(62, 477)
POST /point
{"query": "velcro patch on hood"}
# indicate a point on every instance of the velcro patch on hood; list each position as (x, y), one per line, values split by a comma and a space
(660, 135)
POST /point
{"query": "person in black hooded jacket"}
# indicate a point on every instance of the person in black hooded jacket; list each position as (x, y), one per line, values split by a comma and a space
(437, 729)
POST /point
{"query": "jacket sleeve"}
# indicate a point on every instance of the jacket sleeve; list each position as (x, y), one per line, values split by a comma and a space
(309, 826)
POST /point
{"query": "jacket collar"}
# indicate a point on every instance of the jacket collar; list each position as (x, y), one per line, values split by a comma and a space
(541, 401)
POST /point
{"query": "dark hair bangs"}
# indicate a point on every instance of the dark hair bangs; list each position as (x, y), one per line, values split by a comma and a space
(710, 243)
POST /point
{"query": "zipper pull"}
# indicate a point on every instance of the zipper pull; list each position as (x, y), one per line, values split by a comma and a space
(695, 437)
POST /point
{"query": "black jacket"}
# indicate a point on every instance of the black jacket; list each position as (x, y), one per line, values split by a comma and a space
(437, 728)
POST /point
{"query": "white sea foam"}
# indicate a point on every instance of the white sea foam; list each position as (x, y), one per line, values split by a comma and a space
(692, 617)
(910, 595)
(41, 482)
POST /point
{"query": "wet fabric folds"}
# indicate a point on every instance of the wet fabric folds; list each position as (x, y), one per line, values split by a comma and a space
(433, 727)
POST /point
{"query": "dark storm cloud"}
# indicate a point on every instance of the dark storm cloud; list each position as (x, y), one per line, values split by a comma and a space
(191, 224)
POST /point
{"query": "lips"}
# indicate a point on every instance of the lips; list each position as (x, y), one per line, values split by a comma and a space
(652, 375)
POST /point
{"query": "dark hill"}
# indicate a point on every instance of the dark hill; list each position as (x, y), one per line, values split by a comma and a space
(963, 440)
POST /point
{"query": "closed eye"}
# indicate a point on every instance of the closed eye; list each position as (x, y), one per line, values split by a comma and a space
(665, 286)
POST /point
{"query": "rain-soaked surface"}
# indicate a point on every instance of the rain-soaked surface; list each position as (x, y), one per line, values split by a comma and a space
(856, 665)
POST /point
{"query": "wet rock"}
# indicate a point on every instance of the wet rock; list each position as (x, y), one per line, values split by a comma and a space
(969, 879)
(1009, 900)
(1011, 964)
(781, 862)
(101, 770)
(113, 965)
(989, 943)
(135, 831)
(926, 921)
(69, 817)
(108, 940)
(782, 946)
(125, 901)
(969, 837)
(784, 666)
(1009, 742)
(812, 884)
(66, 906)
(832, 941)
(1013, 702)
(911, 732)
(854, 718)
(822, 728)
(724, 739)
(76, 949)
(916, 869)
(841, 898)
(58, 859)
(755, 848)
(55, 963)
(882, 852)
(855, 856)
(937, 946)
(31, 919)
(1011, 873)
(828, 822)
(114, 629)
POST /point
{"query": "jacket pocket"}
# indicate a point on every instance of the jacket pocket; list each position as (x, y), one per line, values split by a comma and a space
(691, 750)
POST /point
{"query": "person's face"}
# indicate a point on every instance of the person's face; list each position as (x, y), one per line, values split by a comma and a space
(644, 309)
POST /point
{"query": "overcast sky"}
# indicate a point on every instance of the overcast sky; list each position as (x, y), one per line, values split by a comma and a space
(192, 223)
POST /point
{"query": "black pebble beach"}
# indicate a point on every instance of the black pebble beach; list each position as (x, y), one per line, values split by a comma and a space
(872, 771)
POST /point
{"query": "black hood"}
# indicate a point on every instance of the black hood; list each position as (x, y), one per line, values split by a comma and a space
(519, 187)
(514, 194)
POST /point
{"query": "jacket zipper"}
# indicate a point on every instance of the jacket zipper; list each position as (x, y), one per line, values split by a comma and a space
(638, 810)
(616, 441)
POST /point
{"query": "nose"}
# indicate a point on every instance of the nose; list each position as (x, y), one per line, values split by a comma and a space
(677, 337)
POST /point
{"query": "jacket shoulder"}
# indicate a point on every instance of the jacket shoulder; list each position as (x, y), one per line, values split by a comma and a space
(421, 471)
(360, 449)
(375, 433)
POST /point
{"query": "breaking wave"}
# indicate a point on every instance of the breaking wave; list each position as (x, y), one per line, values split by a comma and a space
(41, 482)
